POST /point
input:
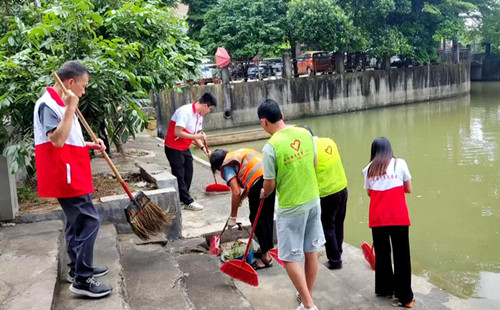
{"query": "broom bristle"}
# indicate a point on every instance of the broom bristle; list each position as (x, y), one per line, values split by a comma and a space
(243, 272)
(150, 220)
(139, 230)
(217, 188)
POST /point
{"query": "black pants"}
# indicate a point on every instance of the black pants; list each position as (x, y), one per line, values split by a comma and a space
(82, 225)
(181, 163)
(264, 228)
(333, 210)
(388, 282)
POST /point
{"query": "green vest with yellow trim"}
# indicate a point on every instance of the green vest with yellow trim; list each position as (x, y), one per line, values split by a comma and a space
(329, 171)
(296, 179)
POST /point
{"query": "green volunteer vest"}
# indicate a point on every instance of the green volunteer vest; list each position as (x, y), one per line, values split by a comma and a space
(296, 179)
(329, 171)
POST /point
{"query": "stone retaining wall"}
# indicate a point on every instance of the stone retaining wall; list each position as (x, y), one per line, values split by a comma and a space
(320, 95)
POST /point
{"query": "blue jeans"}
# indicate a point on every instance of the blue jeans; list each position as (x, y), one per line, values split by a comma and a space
(82, 225)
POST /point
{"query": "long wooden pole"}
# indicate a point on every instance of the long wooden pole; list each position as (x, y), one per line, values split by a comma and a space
(94, 139)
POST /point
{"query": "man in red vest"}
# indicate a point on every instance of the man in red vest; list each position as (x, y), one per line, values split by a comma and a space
(63, 172)
(184, 129)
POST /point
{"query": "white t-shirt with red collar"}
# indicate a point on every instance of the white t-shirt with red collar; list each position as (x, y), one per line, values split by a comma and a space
(187, 118)
(387, 197)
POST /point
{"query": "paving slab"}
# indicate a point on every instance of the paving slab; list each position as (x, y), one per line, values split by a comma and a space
(105, 254)
(28, 265)
(207, 287)
(152, 275)
(351, 287)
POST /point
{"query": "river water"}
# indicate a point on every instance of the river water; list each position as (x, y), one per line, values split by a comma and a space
(452, 148)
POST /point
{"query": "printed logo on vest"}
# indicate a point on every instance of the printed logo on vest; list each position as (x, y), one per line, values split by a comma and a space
(329, 150)
(295, 145)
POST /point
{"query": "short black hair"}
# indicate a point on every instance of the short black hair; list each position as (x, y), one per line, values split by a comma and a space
(72, 70)
(270, 110)
(209, 99)
(217, 158)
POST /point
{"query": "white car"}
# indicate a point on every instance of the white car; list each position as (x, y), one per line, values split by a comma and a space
(207, 71)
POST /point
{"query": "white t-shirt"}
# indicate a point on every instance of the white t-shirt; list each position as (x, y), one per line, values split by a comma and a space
(395, 176)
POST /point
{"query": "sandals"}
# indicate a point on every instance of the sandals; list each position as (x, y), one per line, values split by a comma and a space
(267, 264)
(406, 305)
(257, 254)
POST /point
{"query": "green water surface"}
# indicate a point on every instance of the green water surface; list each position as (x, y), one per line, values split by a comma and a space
(452, 148)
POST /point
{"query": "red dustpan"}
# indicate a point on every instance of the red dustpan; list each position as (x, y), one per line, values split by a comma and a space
(215, 241)
(240, 269)
(274, 254)
(216, 187)
(369, 254)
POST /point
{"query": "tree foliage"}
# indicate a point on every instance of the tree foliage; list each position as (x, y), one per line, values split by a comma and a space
(130, 48)
(196, 15)
(245, 27)
(323, 25)
(388, 27)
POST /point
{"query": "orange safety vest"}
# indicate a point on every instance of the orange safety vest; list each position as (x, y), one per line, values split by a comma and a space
(249, 164)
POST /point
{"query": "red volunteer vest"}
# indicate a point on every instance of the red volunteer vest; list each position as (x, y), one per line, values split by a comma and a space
(61, 172)
(193, 124)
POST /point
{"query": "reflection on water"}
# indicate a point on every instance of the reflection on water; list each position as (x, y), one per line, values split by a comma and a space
(452, 150)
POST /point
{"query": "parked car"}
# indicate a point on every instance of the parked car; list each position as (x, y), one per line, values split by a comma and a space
(275, 66)
(207, 71)
(238, 70)
(264, 69)
(311, 63)
(403, 62)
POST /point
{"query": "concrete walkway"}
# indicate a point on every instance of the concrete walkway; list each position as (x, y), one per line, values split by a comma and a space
(180, 274)
(349, 288)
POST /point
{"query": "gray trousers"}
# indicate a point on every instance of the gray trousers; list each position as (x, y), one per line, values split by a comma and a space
(82, 225)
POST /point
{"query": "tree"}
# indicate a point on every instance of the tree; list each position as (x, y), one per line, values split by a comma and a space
(245, 27)
(451, 15)
(131, 48)
(196, 15)
(490, 31)
(323, 25)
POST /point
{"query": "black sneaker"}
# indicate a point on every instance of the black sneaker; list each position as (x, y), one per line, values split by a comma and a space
(333, 265)
(98, 272)
(91, 288)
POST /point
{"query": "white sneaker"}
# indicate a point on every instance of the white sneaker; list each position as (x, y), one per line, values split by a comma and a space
(301, 307)
(194, 206)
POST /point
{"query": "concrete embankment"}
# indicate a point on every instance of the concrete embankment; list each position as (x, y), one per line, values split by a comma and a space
(319, 95)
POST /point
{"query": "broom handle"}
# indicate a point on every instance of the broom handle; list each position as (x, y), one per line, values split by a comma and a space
(94, 139)
(253, 230)
(206, 147)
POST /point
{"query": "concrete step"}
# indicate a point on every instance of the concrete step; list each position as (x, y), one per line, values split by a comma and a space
(208, 288)
(152, 275)
(178, 276)
(105, 254)
(28, 265)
